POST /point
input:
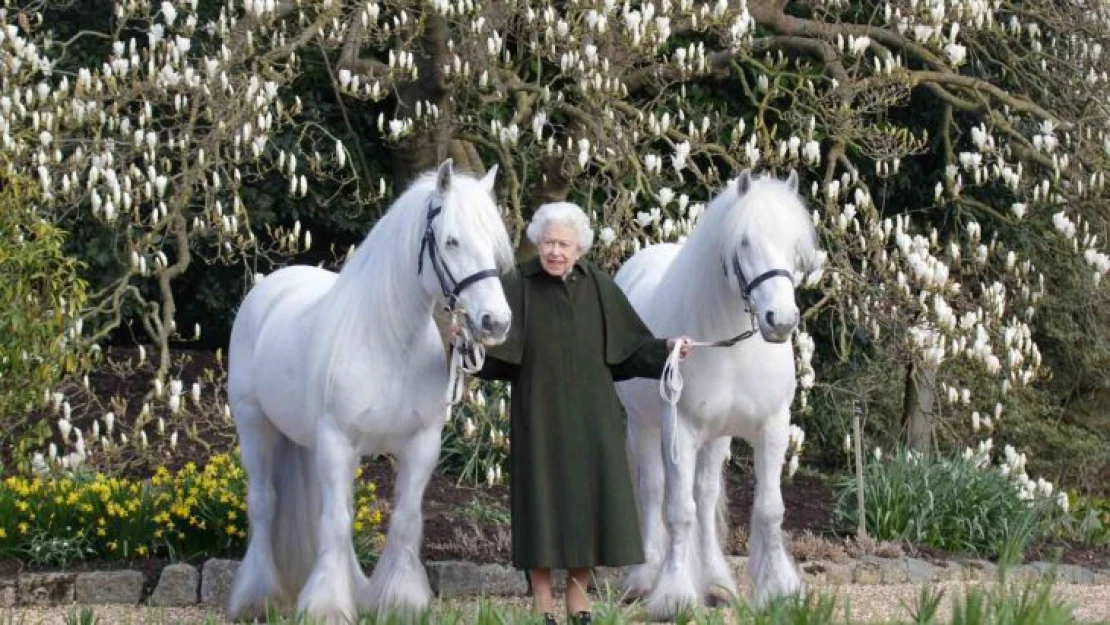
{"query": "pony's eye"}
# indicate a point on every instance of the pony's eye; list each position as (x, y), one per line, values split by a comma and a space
(745, 242)
(451, 242)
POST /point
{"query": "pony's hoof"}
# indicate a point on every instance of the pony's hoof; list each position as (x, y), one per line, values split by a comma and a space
(639, 581)
(255, 611)
(254, 594)
(327, 600)
(329, 616)
(398, 587)
(720, 592)
(787, 584)
(673, 593)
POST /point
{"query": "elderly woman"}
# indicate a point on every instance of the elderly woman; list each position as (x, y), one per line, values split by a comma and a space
(574, 333)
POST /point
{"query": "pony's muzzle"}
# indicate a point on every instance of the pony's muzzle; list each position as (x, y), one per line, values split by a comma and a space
(776, 328)
(492, 329)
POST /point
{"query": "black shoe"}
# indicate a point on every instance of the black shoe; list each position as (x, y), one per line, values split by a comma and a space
(581, 618)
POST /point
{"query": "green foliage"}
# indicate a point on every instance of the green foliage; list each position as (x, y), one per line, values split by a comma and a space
(1064, 450)
(1010, 605)
(949, 504)
(810, 610)
(40, 300)
(475, 439)
(82, 616)
(1087, 521)
(50, 549)
(485, 513)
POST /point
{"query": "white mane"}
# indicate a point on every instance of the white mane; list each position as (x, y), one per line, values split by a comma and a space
(381, 275)
(769, 209)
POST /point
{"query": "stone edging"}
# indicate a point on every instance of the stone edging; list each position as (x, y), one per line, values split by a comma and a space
(185, 585)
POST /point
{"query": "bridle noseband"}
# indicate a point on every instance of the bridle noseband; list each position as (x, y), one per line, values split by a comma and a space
(746, 289)
(451, 287)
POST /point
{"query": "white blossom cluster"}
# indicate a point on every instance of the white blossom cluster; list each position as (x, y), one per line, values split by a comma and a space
(103, 435)
(156, 140)
(1012, 465)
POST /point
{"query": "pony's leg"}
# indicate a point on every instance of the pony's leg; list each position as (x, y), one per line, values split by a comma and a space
(773, 574)
(399, 582)
(257, 581)
(675, 587)
(647, 473)
(717, 576)
(328, 596)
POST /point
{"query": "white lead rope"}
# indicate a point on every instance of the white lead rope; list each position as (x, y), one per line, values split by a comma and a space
(670, 389)
(670, 383)
(467, 357)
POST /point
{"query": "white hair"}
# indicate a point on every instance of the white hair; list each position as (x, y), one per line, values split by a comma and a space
(562, 213)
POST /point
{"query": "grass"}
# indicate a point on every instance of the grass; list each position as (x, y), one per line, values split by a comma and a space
(1013, 603)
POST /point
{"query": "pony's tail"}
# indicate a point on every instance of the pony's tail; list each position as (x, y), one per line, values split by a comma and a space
(295, 516)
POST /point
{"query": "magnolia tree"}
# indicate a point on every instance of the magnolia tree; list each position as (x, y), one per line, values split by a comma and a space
(152, 141)
(951, 148)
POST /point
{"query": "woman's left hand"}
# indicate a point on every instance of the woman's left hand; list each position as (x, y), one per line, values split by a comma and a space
(684, 351)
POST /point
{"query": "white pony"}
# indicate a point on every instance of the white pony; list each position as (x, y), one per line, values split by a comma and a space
(326, 368)
(733, 278)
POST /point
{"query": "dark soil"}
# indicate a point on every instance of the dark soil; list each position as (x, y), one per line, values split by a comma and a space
(122, 386)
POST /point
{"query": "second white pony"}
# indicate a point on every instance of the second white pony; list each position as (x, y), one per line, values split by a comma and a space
(734, 277)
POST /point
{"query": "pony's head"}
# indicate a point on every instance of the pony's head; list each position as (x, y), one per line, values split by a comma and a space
(768, 247)
(465, 248)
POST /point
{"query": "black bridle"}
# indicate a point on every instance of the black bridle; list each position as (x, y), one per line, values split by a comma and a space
(451, 287)
(467, 356)
(746, 289)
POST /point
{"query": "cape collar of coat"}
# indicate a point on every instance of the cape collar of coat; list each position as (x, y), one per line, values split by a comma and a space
(619, 340)
(532, 267)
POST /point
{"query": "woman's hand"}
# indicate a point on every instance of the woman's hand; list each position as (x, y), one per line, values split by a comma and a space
(684, 351)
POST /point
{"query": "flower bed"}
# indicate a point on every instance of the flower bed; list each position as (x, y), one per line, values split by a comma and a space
(53, 519)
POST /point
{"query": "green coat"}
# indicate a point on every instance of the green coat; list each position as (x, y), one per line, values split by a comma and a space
(572, 500)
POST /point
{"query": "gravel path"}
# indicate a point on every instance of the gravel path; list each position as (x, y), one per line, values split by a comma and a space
(867, 604)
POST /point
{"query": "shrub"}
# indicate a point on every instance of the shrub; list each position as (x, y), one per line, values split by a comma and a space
(53, 519)
(959, 505)
(40, 300)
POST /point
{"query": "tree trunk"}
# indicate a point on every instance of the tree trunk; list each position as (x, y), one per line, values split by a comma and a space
(919, 407)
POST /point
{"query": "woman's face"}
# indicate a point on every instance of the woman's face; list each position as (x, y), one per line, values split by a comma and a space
(559, 249)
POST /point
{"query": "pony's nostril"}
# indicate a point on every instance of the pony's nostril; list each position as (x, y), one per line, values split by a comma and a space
(770, 317)
(487, 322)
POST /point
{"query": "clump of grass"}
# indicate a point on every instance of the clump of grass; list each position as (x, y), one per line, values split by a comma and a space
(952, 504)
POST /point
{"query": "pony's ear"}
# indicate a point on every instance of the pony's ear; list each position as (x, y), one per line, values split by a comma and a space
(792, 181)
(489, 178)
(444, 175)
(744, 182)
